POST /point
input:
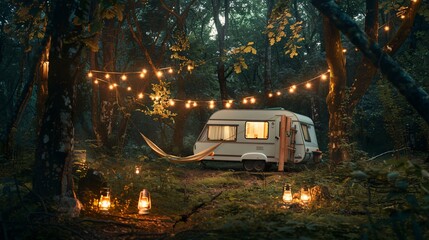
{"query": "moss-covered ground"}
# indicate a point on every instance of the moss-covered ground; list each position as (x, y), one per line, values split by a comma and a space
(379, 199)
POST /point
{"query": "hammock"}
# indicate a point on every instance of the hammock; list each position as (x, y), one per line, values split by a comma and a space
(193, 158)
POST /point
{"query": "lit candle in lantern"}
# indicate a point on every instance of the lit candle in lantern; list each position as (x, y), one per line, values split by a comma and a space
(305, 195)
(144, 204)
(287, 193)
(104, 203)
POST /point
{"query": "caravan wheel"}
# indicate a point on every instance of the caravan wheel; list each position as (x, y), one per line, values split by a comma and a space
(248, 165)
(254, 166)
(259, 166)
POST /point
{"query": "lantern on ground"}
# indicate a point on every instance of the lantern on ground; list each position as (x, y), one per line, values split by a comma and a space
(305, 195)
(287, 193)
(104, 203)
(144, 202)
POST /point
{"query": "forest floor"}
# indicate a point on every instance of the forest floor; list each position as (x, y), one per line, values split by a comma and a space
(380, 199)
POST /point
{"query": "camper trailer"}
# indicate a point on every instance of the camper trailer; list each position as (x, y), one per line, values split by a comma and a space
(258, 138)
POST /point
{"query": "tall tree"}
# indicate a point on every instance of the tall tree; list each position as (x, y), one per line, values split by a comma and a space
(52, 170)
(343, 99)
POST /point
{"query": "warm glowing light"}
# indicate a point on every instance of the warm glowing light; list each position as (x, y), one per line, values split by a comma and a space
(402, 16)
(140, 96)
(308, 85)
(287, 194)
(270, 95)
(115, 85)
(305, 195)
(107, 76)
(252, 100)
(294, 87)
(188, 105)
(211, 104)
(228, 105)
(278, 93)
(144, 204)
(323, 77)
(190, 67)
(194, 104)
(124, 77)
(344, 50)
(138, 168)
(128, 88)
(171, 102)
(157, 98)
(104, 202)
(90, 74)
(230, 101)
(144, 71)
(96, 81)
(170, 70)
(159, 73)
(291, 90)
(386, 28)
(111, 87)
(141, 75)
(245, 101)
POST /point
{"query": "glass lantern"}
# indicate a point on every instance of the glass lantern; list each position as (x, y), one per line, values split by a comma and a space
(104, 202)
(287, 193)
(305, 195)
(144, 202)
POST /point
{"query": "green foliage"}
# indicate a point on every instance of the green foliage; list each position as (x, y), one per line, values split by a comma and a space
(161, 102)
(275, 30)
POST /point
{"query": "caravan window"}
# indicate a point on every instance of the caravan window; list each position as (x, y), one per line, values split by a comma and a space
(305, 132)
(257, 130)
(222, 133)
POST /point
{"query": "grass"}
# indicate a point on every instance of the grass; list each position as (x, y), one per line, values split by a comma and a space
(375, 200)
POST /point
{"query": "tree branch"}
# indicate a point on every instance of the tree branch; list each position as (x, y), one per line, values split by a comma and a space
(415, 95)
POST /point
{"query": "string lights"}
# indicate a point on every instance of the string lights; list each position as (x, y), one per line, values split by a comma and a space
(108, 79)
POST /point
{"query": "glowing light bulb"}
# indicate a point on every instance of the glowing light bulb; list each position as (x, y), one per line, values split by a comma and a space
(96, 81)
(211, 104)
(128, 88)
(323, 77)
(308, 85)
(291, 90)
(170, 70)
(344, 50)
(124, 77)
(171, 102)
(144, 71)
(245, 101)
(386, 28)
(278, 93)
(252, 100)
(90, 75)
(142, 75)
(188, 105)
(159, 73)
(115, 85)
(402, 16)
(111, 86)
(140, 96)
(194, 104)
(294, 86)
(107, 76)
(270, 95)
(228, 105)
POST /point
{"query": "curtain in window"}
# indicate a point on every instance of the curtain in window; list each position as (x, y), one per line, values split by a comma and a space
(223, 133)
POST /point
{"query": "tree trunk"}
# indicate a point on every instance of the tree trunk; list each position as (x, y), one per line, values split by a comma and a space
(107, 96)
(52, 170)
(267, 60)
(338, 138)
(221, 38)
(415, 95)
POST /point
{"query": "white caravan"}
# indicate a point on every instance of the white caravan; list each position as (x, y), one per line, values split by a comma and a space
(254, 137)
